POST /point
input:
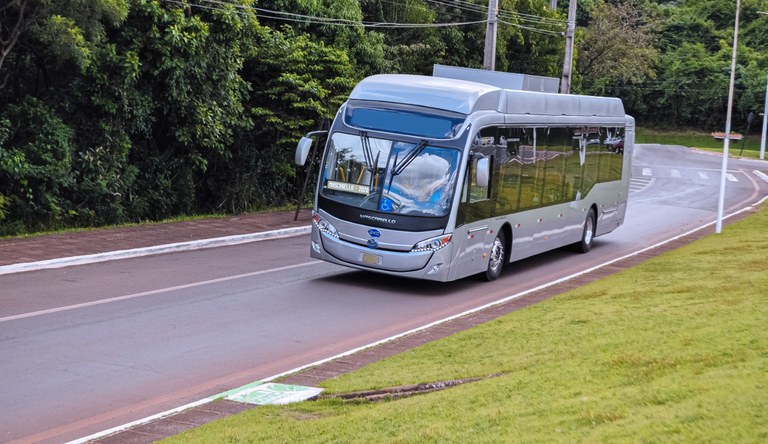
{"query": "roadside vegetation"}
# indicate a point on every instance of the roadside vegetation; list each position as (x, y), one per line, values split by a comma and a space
(672, 350)
(748, 147)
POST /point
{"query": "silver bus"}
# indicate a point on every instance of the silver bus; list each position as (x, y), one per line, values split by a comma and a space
(439, 179)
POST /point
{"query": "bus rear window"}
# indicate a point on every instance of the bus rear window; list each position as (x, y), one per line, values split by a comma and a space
(398, 120)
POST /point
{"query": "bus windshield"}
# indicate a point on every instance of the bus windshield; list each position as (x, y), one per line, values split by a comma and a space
(390, 176)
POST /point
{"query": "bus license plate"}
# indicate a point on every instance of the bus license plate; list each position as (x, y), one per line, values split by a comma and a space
(371, 259)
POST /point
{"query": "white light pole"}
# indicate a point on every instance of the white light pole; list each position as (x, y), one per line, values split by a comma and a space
(724, 169)
(765, 122)
(765, 113)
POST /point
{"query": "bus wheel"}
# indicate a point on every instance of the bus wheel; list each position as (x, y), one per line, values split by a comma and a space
(496, 259)
(588, 235)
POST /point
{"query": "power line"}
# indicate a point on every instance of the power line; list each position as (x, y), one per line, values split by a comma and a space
(310, 19)
(509, 15)
(537, 30)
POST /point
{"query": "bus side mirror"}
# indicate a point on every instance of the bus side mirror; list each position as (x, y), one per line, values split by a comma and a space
(482, 172)
(302, 150)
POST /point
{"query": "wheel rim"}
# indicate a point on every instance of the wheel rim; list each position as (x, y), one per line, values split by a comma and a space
(588, 231)
(497, 255)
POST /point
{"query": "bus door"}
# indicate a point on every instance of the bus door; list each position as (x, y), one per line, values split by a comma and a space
(474, 233)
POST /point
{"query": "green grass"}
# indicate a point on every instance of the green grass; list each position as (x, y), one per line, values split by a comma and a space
(673, 350)
(701, 140)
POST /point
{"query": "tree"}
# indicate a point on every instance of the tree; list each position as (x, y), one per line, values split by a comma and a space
(338, 23)
(64, 29)
(617, 47)
(531, 38)
(407, 47)
(46, 48)
(302, 82)
(35, 167)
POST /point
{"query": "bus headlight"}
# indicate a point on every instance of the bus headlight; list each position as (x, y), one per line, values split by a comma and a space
(324, 226)
(432, 244)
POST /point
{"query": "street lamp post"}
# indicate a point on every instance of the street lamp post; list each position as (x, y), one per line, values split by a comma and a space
(765, 113)
(726, 142)
(765, 124)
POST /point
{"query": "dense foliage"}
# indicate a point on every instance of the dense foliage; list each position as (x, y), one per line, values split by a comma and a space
(127, 110)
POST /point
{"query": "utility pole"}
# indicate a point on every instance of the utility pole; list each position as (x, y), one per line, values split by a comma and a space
(565, 82)
(489, 57)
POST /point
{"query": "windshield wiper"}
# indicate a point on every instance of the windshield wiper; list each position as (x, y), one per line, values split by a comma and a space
(370, 162)
(403, 164)
(409, 157)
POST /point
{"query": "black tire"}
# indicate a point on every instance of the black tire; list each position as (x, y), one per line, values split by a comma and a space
(496, 258)
(587, 234)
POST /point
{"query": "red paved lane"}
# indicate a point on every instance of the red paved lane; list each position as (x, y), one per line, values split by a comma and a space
(54, 246)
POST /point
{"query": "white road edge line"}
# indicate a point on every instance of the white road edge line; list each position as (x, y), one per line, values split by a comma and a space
(415, 330)
(150, 292)
(158, 249)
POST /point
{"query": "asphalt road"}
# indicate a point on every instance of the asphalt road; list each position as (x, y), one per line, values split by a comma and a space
(87, 348)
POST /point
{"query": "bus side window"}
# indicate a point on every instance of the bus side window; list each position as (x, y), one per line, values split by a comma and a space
(557, 147)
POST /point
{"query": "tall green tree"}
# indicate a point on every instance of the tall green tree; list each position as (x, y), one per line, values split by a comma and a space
(338, 23)
(695, 44)
(45, 48)
(299, 83)
(617, 47)
(62, 29)
(411, 43)
(35, 167)
(187, 96)
(531, 38)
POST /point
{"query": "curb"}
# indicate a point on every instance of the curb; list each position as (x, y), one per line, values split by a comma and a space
(153, 250)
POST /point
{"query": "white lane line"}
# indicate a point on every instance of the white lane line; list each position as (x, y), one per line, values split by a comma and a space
(676, 173)
(731, 177)
(647, 172)
(150, 293)
(398, 336)
(703, 175)
(761, 175)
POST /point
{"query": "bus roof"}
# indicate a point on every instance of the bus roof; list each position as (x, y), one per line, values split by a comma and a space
(468, 97)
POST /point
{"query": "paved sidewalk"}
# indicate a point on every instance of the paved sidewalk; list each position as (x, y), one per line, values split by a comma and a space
(98, 241)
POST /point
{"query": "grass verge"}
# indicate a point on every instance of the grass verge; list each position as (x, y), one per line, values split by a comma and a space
(673, 350)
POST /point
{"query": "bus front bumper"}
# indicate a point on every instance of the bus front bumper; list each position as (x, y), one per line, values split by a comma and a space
(431, 265)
